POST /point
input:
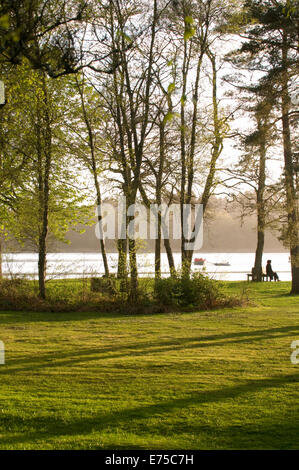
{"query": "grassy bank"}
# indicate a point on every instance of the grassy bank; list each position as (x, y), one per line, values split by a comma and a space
(210, 380)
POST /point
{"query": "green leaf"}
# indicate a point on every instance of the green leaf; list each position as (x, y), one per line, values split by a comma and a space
(171, 88)
(4, 21)
(189, 20)
(170, 116)
(124, 35)
(183, 100)
(189, 33)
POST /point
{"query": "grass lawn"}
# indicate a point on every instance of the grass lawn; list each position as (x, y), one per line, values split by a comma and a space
(207, 380)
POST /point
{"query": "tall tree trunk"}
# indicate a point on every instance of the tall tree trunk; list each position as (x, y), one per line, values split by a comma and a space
(158, 251)
(260, 205)
(1, 260)
(184, 162)
(159, 176)
(102, 243)
(258, 268)
(42, 245)
(122, 273)
(289, 172)
(42, 256)
(45, 191)
(190, 167)
(169, 253)
(132, 251)
(133, 271)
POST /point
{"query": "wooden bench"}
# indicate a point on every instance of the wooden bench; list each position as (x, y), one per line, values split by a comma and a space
(264, 277)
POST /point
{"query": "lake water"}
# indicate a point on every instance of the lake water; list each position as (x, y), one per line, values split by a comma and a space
(72, 265)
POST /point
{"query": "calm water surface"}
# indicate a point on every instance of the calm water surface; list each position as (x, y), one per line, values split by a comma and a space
(76, 264)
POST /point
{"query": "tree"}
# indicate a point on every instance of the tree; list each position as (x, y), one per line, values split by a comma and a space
(251, 170)
(271, 48)
(13, 159)
(194, 25)
(45, 200)
(128, 96)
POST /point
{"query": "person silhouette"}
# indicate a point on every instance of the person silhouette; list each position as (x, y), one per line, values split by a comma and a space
(270, 272)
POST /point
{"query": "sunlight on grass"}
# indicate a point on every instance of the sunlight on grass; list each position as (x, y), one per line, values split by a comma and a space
(209, 380)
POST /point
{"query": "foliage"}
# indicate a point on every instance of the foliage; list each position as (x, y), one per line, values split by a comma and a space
(104, 294)
(153, 127)
(42, 31)
(107, 285)
(25, 151)
(199, 291)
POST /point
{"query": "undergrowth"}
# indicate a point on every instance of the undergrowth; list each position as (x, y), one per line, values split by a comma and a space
(104, 295)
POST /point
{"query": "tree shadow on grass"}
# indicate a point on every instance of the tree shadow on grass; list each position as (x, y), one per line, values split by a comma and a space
(136, 419)
(69, 358)
(14, 317)
(279, 432)
(286, 295)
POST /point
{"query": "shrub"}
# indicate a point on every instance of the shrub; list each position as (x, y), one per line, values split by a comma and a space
(106, 285)
(198, 291)
(103, 295)
(16, 294)
(15, 284)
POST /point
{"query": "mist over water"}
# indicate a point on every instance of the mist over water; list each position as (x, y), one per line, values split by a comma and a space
(74, 265)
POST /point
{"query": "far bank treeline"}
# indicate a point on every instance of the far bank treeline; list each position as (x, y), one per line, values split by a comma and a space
(140, 99)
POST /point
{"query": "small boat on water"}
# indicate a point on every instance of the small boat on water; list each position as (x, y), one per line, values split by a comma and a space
(199, 261)
(224, 263)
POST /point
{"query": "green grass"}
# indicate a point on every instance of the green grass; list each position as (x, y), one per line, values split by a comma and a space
(207, 380)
